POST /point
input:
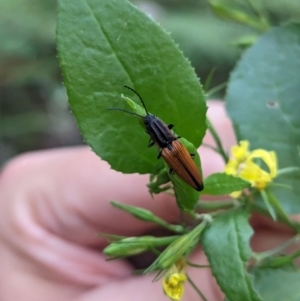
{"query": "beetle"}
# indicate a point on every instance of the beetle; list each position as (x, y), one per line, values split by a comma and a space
(170, 148)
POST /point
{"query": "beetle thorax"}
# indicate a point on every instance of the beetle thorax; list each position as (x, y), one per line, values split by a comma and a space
(158, 131)
(148, 119)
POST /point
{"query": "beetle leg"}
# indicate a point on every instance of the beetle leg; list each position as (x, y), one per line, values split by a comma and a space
(150, 143)
(159, 154)
(170, 126)
(192, 155)
(171, 171)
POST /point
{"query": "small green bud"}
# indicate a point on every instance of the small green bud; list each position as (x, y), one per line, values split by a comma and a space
(135, 245)
(180, 247)
(148, 216)
(125, 247)
(137, 212)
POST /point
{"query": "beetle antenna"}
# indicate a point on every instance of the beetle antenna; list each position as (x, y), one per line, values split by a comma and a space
(131, 113)
(139, 96)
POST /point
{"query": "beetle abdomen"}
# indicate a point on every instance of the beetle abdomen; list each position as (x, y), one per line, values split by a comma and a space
(180, 161)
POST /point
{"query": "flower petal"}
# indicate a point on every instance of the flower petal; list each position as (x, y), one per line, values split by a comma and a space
(231, 167)
(173, 286)
(242, 165)
(254, 174)
(269, 158)
(240, 152)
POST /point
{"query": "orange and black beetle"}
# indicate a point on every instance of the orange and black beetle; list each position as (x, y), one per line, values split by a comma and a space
(170, 148)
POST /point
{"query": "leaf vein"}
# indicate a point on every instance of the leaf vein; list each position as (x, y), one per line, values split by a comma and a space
(108, 41)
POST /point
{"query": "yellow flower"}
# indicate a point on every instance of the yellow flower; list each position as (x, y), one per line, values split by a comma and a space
(253, 173)
(173, 282)
(243, 164)
(239, 154)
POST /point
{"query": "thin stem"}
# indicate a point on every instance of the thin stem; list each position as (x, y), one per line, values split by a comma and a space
(269, 207)
(208, 79)
(295, 254)
(272, 252)
(215, 205)
(217, 140)
(211, 147)
(280, 185)
(196, 288)
(197, 265)
(294, 225)
(215, 90)
(155, 251)
(260, 12)
(287, 170)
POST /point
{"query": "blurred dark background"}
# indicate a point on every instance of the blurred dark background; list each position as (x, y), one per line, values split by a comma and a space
(34, 111)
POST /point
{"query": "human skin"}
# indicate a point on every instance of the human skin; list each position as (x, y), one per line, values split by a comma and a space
(52, 204)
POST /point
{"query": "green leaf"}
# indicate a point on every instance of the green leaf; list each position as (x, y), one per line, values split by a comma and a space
(263, 100)
(222, 183)
(104, 45)
(226, 245)
(277, 284)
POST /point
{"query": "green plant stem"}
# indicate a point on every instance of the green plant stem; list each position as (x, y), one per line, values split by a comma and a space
(217, 140)
(215, 205)
(211, 147)
(287, 170)
(294, 225)
(215, 90)
(285, 186)
(295, 254)
(196, 288)
(208, 80)
(269, 207)
(260, 12)
(196, 265)
(272, 252)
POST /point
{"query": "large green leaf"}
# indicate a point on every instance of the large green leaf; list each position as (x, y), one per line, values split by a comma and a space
(277, 284)
(263, 100)
(106, 44)
(226, 245)
(221, 183)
